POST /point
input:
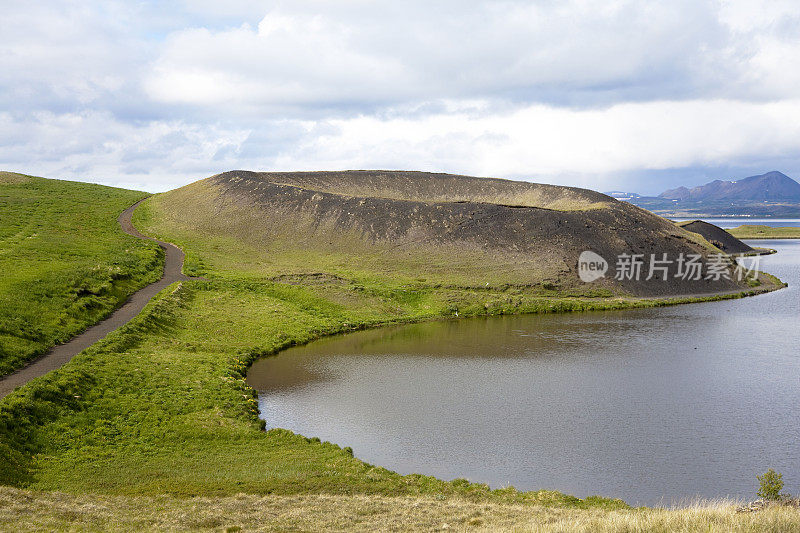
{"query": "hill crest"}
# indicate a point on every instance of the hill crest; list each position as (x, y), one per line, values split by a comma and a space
(428, 187)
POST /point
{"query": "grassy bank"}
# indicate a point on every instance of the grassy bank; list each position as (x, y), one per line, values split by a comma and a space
(65, 262)
(747, 231)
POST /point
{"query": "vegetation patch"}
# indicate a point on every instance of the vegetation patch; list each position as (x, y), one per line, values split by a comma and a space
(764, 232)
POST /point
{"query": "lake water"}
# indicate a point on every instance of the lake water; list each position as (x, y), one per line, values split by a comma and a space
(654, 406)
(730, 222)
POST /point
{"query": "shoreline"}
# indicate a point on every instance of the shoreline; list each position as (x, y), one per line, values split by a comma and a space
(760, 232)
(603, 305)
(759, 238)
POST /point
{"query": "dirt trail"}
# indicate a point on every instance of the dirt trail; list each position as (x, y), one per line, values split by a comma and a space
(61, 354)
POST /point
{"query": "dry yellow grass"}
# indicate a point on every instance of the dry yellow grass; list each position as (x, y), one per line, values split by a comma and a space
(12, 177)
(25, 510)
(443, 188)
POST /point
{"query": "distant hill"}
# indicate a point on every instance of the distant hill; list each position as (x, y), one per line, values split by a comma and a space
(717, 236)
(773, 186)
(773, 194)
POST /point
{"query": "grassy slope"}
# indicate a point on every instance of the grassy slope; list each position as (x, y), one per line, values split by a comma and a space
(747, 231)
(65, 262)
(161, 405)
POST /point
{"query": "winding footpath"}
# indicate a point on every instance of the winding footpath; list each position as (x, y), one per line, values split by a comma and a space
(59, 355)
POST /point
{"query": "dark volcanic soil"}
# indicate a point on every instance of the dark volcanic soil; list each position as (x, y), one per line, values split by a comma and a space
(717, 236)
(531, 223)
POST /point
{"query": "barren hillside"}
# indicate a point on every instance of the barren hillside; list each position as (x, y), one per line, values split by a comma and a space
(438, 227)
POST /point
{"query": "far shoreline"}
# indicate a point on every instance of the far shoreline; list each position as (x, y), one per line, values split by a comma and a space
(763, 232)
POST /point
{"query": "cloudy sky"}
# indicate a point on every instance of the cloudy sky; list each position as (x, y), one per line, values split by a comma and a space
(631, 95)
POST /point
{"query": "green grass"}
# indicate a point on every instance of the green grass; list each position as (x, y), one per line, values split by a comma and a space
(747, 231)
(66, 264)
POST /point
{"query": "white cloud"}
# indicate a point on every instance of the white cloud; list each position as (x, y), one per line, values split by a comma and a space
(153, 95)
(588, 147)
(545, 142)
(155, 155)
(358, 54)
(57, 55)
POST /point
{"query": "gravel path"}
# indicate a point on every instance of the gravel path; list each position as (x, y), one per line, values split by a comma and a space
(61, 354)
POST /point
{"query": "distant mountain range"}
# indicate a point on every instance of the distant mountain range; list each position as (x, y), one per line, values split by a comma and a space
(770, 187)
(770, 194)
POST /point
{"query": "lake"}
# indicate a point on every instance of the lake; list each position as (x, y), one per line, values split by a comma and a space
(654, 406)
(733, 222)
